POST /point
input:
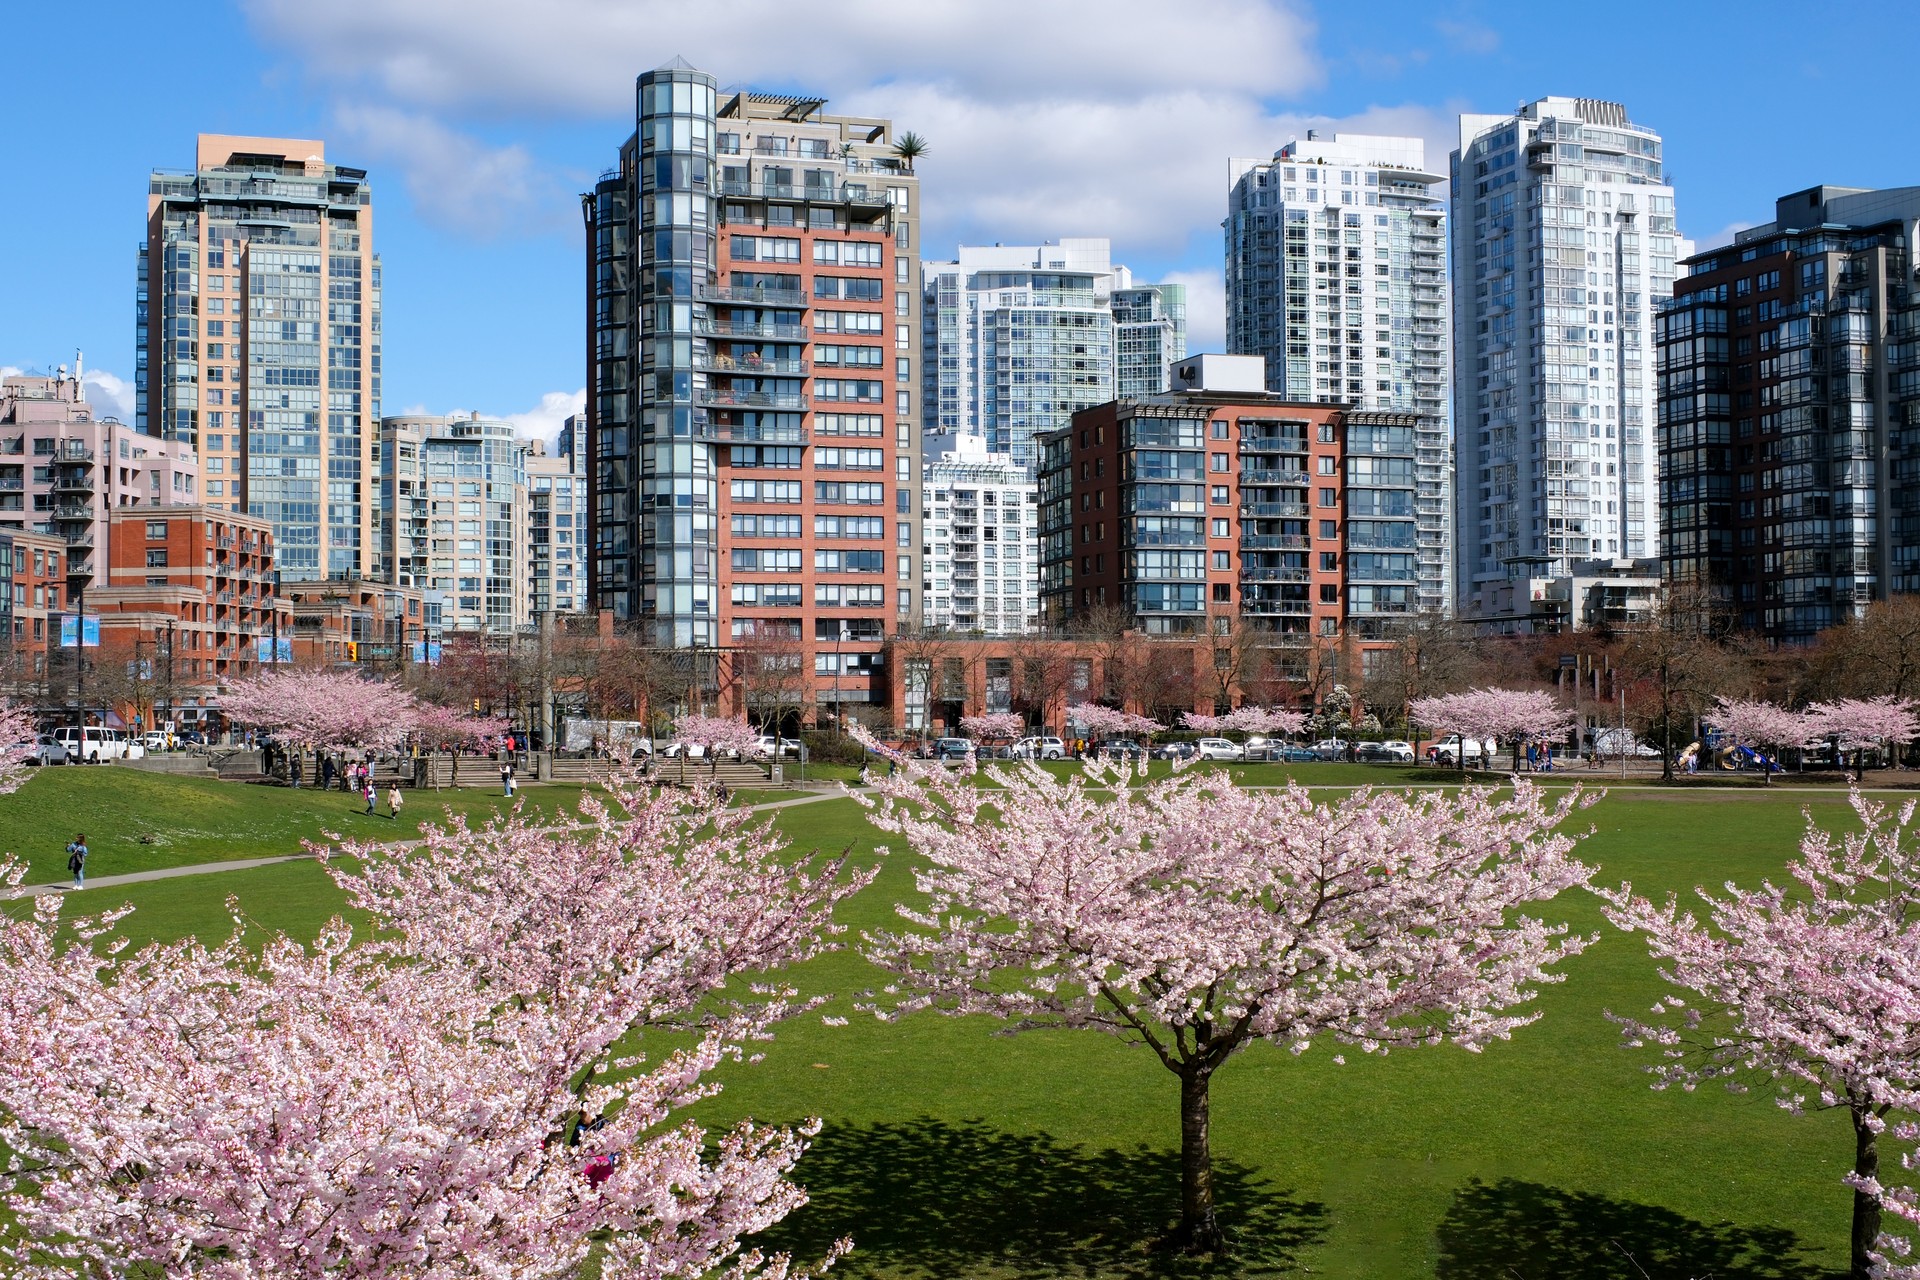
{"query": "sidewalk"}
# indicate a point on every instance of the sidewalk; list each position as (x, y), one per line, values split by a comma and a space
(247, 864)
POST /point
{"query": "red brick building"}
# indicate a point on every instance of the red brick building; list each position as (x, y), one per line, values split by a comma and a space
(35, 580)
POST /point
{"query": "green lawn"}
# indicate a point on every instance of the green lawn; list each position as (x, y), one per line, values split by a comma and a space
(138, 821)
(953, 1151)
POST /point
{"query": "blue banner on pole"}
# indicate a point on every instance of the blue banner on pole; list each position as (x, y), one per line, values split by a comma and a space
(72, 634)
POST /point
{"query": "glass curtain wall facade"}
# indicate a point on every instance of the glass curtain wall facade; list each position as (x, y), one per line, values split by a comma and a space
(1789, 414)
(257, 326)
(453, 499)
(1564, 246)
(1149, 335)
(1336, 275)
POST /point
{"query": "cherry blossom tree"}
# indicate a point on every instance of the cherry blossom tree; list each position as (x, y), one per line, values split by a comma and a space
(1812, 987)
(17, 735)
(1099, 721)
(1863, 724)
(1252, 719)
(323, 710)
(1762, 726)
(994, 724)
(434, 726)
(468, 1088)
(1513, 715)
(1195, 917)
(716, 735)
(1200, 722)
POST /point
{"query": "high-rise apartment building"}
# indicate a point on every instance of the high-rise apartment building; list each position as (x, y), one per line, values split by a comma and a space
(1149, 336)
(982, 539)
(753, 459)
(64, 471)
(555, 538)
(1221, 501)
(1336, 277)
(257, 340)
(1019, 339)
(1790, 413)
(452, 519)
(1564, 245)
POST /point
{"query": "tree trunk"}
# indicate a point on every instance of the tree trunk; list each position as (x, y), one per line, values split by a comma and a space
(1199, 1230)
(1866, 1209)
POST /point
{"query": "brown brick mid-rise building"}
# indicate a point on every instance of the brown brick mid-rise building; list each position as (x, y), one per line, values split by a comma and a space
(34, 579)
(1220, 506)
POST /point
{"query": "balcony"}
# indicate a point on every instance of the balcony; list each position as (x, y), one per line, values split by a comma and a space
(1273, 510)
(73, 451)
(740, 433)
(1275, 542)
(724, 397)
(744, 332)
(1273, 476)
(817, 192)
(11, 484)
(1274, 573)
(73, 480)
(752, 297)
(68, 512)
(751, 365)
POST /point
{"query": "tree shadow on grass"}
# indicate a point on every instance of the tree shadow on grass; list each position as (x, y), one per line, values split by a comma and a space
(928, 1198)
(1514, 1230)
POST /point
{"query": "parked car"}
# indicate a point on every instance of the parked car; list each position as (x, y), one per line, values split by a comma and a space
(1118, 747)
(1174, 751)
(1615, 742)
(1391, 751)
(1330, 749)
(951, 748)
(99, 746)
(693, 751)
(1218, 749)
(1295, 755)
(1040, 748)
(766, 745)
(156, 740)
(41, 749)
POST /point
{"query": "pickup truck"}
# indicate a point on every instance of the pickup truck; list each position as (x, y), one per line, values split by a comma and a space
(1448, 749)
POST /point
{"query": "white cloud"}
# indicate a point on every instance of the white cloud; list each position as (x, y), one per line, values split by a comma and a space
(580, 56)
(455, 179)
(1206, 309)
(545, 419)
(110, 395)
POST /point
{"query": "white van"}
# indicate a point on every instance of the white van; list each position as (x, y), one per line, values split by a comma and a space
(1448, 749)
(101, 744)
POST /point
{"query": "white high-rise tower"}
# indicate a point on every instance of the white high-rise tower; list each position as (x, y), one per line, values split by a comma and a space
(1563, 248)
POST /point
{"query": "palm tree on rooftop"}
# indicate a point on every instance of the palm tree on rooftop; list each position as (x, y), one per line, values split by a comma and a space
(910, 147)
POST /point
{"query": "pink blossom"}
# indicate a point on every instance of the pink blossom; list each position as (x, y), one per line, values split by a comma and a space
(1814, 986)
(993, 725)
(323, 710)
(1264, 720)
(16, 727)
(412, 1101)
(1510, 715)
(1098, 721)
(716, 735)
(1860, 723)
(1194, 916)
(434, 725)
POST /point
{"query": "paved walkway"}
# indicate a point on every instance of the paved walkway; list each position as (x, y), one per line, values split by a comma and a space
(247, 864)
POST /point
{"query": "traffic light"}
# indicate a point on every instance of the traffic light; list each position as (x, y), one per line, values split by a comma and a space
(476, 706)
(353, 651)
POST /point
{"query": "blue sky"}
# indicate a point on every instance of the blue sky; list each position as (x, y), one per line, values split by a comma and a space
(481, 120)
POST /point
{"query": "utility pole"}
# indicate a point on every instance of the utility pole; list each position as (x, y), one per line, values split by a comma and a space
(80, 661)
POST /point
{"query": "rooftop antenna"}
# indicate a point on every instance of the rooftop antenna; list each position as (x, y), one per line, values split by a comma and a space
(76, 364)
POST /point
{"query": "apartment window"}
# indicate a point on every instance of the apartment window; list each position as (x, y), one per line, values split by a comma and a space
(1223, 560)
(157, 559)
(1220, 529)
(1217, 462)
(1329, 528)
(1223, 593)
(1329, 561)
(1217, 430)
(1329, 497)
(1329, 466)
(1217, 495)
(156, 531)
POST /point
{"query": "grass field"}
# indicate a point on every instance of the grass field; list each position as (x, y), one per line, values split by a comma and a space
(137, 821)
(953, 1151)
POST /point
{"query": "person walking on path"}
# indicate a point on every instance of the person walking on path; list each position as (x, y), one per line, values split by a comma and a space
(394, 800)
(77, 860)
(372, 796)
(506, 778)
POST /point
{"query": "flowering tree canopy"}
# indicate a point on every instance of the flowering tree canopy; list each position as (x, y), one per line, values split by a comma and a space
(1508, 715)
(1098, 720)
(1858, 724)
(1814, 986)
(1194, 916)
(434, 725)
(17, 735)
(1263, 720)
(716, 735)
(457, 1092)
(323, 709)
(1759, 725)
(994, 724)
